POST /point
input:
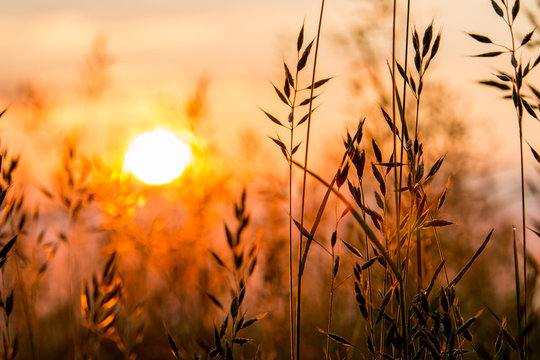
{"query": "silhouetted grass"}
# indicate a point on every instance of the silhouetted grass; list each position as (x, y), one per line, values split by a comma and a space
(136, 272)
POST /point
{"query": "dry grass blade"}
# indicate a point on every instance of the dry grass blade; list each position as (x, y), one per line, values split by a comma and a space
(481, 38)
(272, 117)
(303, 59)
(535, 153)
(310, 238)
(303, 230)
(468, 323)
(473, 259)
(386, 300)
(311, 234)
(319, 83)
(6, 248)
(495, 84)
(434, 278)
(174, 347)
(337, 338)
(371, 235)
(437, 223)
(354, 250)
(214, 300)
(253, 320)
(489, 54)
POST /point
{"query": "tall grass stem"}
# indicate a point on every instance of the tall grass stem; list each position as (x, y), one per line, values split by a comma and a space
(519, 114)
(300, 247)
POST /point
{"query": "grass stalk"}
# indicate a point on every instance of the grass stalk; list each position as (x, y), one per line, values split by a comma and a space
(291, 291)
(375, 241)
(291, 296)
(524, 230)
(370, 289)
(419, 260)
(517, 282)
(394, 137)
(403, 306)
(6, 344)
(519, 114)
(26, 310)
(300, 242)
(329, 325)
(418, 237)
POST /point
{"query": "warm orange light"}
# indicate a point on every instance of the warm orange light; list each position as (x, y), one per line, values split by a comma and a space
(157, 157)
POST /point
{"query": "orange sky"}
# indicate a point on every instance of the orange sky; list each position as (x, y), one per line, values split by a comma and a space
(161, 47)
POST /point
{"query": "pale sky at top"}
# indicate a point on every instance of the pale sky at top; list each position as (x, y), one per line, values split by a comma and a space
(130, 7)
(177, 34)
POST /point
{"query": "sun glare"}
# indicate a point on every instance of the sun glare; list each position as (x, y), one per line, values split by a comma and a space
(157, 157)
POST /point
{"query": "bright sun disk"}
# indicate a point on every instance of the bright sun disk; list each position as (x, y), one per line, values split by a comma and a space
(157, 157)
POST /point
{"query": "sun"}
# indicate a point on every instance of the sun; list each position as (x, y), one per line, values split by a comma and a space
(157, 157)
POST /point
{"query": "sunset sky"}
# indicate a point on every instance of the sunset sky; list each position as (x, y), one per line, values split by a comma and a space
(123, 190)
(160, 49)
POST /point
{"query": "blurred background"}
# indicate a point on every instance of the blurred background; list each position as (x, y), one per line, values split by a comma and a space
(81, 79)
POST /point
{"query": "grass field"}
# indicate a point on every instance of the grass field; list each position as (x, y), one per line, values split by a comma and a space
(396, 244)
